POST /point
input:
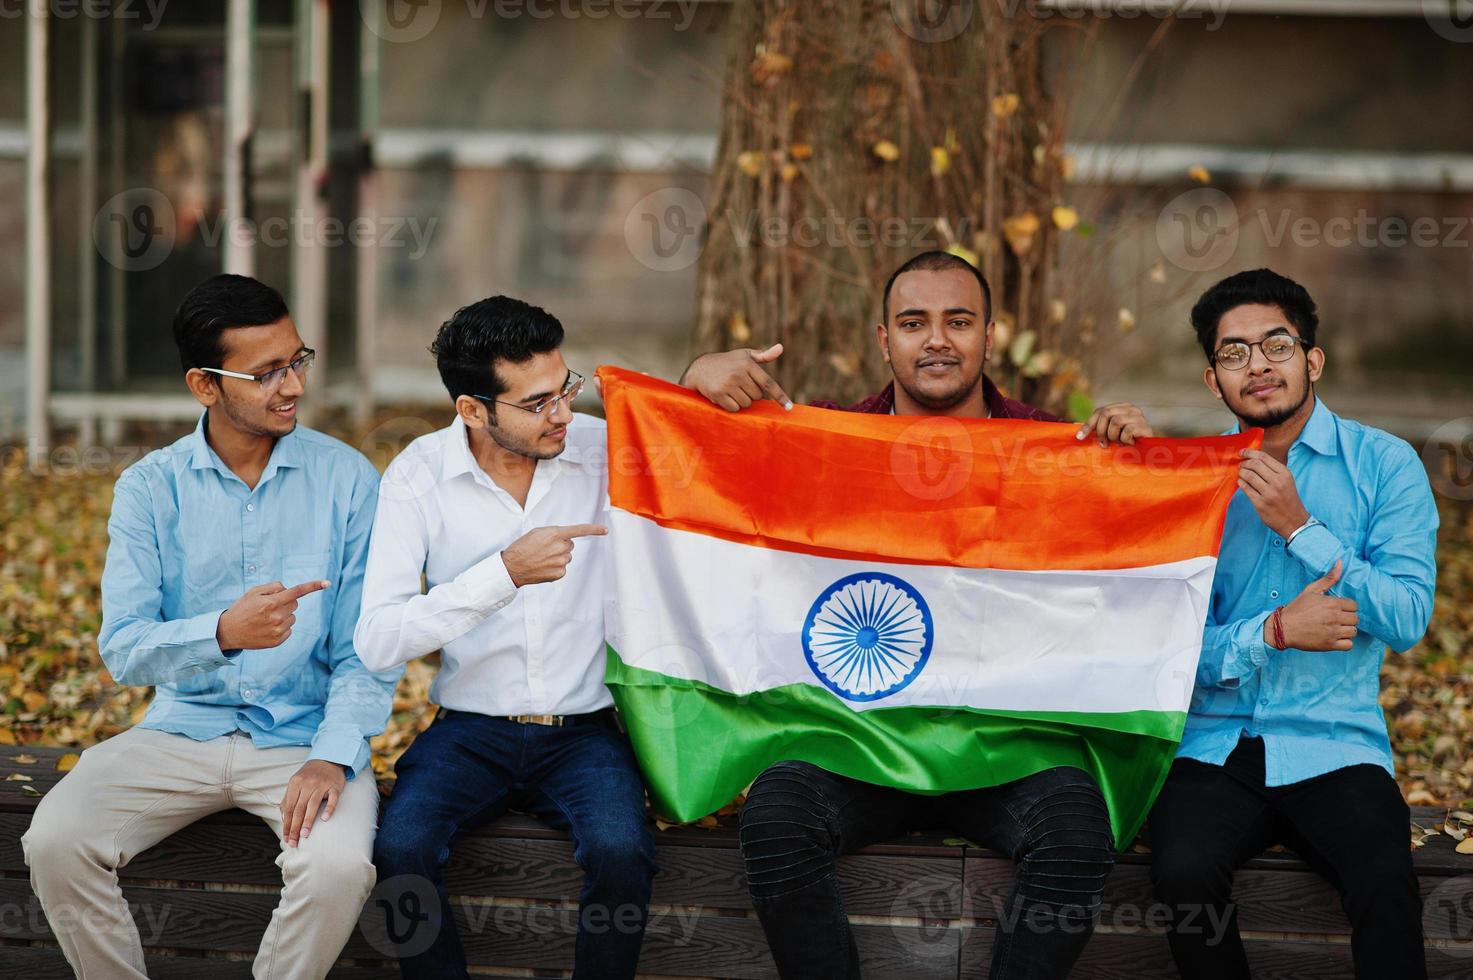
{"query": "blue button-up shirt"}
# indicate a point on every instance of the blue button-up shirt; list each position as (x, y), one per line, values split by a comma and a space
(1317, 712)
(188, 538)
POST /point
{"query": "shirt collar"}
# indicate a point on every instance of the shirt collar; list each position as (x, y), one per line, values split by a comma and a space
(287, 452)
(993, 400)
(457, 458)
(1318, 432)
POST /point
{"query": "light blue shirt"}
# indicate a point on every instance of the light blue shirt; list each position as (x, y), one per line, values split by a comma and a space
(1317, 712)
(188, 538)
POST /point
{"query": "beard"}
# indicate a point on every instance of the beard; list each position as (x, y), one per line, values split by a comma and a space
(1267, 418)
(943, 401)
(252, 420)
(521, 447)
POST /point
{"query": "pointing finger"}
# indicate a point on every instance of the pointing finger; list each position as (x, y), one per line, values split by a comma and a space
(773, 389)
(582, 530)
(306, 588)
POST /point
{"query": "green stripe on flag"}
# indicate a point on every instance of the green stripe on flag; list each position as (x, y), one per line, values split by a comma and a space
(700, 746)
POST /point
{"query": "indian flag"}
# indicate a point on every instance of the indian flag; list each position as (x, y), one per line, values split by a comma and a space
(927, 603)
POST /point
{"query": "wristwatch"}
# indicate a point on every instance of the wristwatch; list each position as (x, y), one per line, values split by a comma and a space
(1301, 529)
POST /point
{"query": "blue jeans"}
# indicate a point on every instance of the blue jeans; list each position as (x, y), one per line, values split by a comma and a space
(467, 769)
(798, 818)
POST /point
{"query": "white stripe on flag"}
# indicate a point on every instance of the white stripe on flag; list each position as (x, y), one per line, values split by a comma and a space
(733, 615)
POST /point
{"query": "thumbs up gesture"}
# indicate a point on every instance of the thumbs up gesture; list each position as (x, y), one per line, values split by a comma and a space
(1316, 620)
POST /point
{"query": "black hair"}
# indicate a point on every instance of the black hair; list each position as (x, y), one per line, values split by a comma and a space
(937, 261)
(216, 305)
(499, 328)
(1254, 286)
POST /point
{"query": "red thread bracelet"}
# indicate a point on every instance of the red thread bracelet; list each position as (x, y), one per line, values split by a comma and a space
(1278, 620)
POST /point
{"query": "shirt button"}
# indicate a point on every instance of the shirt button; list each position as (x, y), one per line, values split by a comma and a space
(250, 507)
(1274, 594)
(1278, 543)
(252, 570)
(1263, 701)
(248, 693)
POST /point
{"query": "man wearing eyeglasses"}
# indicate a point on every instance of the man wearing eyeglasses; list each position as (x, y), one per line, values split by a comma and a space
(1327, 558)
(501, 513)
(232, 584)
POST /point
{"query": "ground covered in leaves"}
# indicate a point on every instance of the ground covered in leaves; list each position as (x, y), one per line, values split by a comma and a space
(55, 691)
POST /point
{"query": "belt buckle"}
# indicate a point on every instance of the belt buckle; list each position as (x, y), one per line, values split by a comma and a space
(552, 720)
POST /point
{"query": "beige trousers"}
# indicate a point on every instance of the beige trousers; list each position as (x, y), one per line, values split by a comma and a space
(135, 789)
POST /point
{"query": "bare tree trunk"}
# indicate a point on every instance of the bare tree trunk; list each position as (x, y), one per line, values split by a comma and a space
(858, 133)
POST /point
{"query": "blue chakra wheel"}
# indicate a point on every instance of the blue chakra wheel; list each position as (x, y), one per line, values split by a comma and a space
(868, 635)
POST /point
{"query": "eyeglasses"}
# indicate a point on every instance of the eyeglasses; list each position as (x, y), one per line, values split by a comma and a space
(272, 379)
(571, 387)
(1235, 355)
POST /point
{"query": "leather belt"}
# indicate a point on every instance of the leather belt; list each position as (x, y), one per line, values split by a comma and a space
(603, 716)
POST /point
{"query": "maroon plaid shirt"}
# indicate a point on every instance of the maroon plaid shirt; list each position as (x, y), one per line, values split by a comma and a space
(998, 404)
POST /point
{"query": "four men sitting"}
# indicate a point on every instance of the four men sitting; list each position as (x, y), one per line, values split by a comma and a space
(272, 587)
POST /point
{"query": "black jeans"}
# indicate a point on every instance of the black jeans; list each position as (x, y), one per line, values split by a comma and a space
(466, 769)
(1350, 825)
(798, 818)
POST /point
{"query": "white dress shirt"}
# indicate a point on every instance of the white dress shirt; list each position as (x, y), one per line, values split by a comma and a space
(504, 651)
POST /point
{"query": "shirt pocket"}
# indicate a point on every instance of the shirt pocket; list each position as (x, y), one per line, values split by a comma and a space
(312, 608)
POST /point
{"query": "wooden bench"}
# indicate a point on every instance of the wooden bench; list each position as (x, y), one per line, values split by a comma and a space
(922, 907)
